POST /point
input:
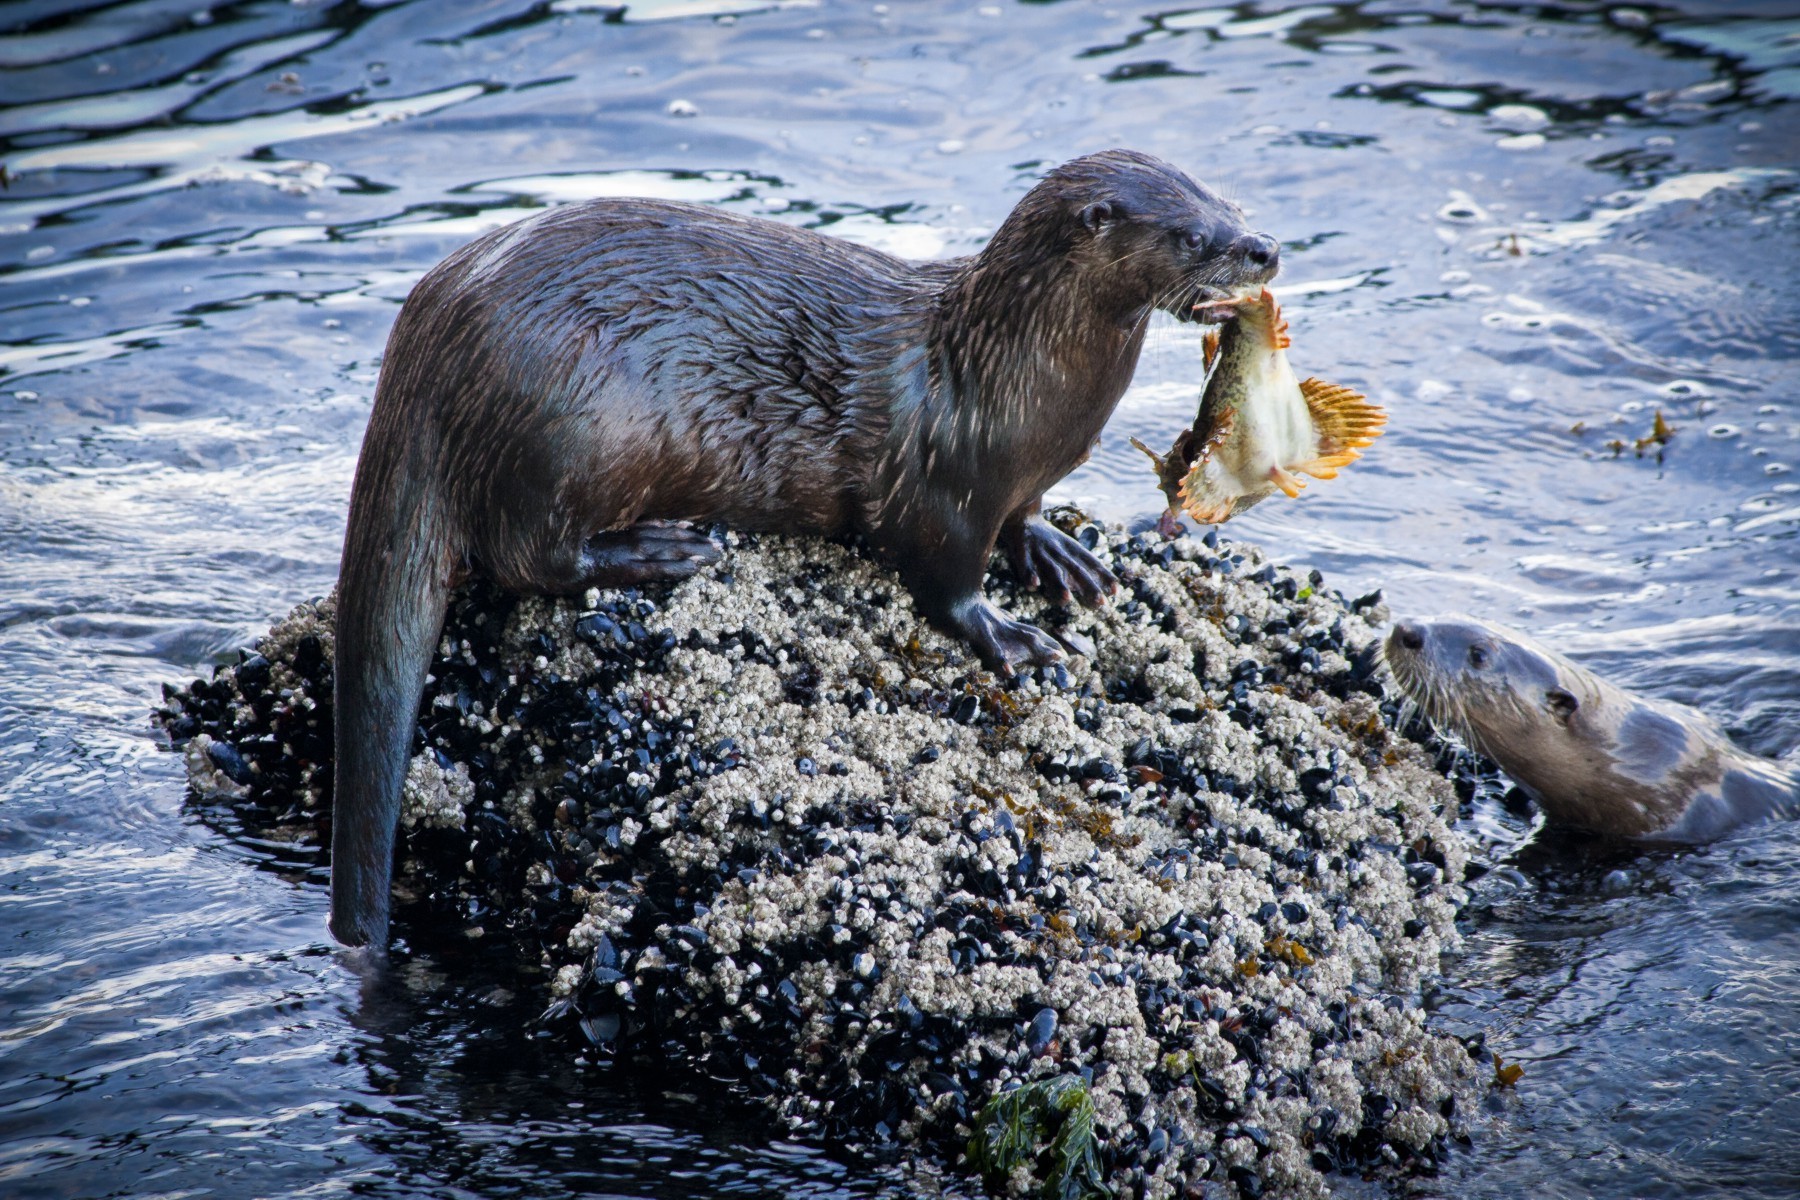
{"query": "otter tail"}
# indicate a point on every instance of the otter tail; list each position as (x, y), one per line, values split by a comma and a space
(393, 589)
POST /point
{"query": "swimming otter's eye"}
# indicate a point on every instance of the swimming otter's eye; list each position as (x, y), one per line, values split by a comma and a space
(1478, 657)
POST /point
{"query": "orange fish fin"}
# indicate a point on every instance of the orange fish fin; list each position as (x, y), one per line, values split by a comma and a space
(1347, 421)
(1286, 482)
(1277, 328)
(1326, 466)
(1209, 347)
(1209, 514)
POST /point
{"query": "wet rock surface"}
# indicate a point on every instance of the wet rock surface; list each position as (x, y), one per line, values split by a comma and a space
(770, 826)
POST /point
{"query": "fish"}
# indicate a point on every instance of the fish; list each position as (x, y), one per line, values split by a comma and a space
(1258, 429)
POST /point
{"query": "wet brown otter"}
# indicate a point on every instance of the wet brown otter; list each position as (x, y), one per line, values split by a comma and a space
(1593, 755)
(557, 391)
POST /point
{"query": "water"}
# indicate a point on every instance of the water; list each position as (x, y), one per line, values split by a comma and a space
(1523, 229)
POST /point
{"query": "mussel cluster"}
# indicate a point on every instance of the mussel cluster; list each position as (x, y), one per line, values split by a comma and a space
(770, 825)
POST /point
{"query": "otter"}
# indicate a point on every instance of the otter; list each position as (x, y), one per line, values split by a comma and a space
(1591, 754)
(559, 396)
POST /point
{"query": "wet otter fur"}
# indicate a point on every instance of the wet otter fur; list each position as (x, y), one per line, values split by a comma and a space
(559, 391)
(1593, 755)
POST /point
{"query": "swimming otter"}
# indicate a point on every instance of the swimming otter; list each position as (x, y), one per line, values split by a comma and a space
(1592, 755)
(558, 391)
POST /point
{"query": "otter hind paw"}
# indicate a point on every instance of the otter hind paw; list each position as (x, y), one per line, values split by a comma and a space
(648, 552)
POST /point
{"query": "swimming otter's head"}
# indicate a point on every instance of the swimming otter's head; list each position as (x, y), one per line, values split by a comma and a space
(1592, 754)
(1509, 697)
(1138, 233)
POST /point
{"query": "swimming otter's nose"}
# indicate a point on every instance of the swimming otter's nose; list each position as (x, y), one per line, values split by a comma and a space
(1259, 250)
(1410, 636)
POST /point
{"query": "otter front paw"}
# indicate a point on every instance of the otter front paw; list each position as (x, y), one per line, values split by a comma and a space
(1003, 643)
(1046, 558)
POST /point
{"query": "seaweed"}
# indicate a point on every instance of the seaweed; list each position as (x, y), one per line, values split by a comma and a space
(1049, 1126)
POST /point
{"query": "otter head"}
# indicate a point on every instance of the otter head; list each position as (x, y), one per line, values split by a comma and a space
(1516, 701)
(1139, 234)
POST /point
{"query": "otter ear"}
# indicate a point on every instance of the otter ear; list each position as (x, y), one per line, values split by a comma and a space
(1097, 214)
(1562, 705)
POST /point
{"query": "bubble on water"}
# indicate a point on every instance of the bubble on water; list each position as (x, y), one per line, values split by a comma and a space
(683, 108)
(1520, 118)
(1447, 97)
(1723, 430)
(1521, 141)
(951, 146)
(1776, 468)
(1631, 406)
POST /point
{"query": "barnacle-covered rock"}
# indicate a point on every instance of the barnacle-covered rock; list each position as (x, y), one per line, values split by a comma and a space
(770, 823)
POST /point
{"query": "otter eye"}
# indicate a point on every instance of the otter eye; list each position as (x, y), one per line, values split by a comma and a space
(1562, 703)
(1478, 657)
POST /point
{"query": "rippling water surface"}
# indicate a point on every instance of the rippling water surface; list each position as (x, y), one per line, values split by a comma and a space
(1524, 228)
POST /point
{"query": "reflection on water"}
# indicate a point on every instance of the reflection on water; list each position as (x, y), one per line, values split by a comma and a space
(1524, 230)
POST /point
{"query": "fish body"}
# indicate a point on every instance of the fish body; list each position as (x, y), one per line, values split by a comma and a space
(1259, 427)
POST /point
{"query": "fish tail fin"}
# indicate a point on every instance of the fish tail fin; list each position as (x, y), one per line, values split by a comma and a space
(1209, 348)
(1347, 422)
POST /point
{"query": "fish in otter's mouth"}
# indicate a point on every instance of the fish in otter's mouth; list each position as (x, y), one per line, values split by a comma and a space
(1259, 428)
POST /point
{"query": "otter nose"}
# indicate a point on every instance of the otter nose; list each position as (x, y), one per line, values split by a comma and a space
(1410, 636)
(1260, 250)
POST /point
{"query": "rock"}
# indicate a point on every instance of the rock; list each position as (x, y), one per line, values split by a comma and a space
(1170, 869)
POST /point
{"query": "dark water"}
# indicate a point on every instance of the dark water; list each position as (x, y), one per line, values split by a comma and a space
(1501, 220)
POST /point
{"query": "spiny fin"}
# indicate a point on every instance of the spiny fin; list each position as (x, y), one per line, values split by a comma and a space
(1172, 466)
(1193, 494)
(1216, 513)
(1278, 326)
(1156, 459)
(1346, 420)
(1209, 348)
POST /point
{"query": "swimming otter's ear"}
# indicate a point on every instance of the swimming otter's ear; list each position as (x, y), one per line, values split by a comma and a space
(1097, 214)
(1563, 705)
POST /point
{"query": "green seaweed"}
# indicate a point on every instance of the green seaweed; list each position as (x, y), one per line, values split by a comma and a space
(1048, 1125)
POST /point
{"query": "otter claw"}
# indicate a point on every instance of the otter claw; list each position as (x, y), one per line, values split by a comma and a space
(1046, 558)
(1003, 643)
